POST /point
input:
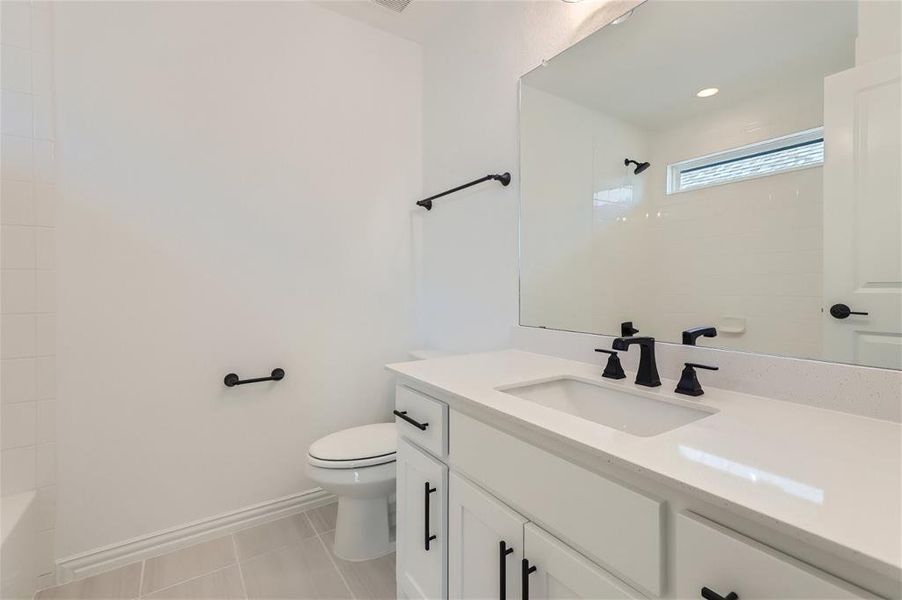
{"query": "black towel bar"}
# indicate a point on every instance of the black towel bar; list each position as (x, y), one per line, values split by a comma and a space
(231, 380)
(504, 178)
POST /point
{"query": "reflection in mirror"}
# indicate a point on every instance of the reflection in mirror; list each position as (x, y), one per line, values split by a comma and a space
(731, 164)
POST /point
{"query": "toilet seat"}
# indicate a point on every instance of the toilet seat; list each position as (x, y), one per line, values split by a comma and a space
(354, 448)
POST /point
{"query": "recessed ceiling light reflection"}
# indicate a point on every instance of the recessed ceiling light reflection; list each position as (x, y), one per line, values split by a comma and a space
(707, 92)
(756, 476)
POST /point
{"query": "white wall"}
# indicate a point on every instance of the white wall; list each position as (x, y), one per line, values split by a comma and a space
(579, 215)
(879, 32)
(28, 298)
(751, 249)
(473, 62)
(236, 181)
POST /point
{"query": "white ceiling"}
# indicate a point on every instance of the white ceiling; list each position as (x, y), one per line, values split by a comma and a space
(647, 69)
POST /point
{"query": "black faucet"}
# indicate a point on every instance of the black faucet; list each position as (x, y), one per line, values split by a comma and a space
(690, 335)
(648, 369)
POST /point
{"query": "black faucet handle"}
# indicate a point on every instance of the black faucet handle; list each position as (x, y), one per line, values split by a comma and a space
(699, 366)
(613, 370)
(689, 384)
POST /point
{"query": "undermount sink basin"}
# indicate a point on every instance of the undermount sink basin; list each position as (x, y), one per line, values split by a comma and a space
(632, 413)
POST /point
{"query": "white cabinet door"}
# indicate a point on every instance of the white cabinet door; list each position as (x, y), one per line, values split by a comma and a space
(485, 544)
(863, 213)
(552, 570)
(422, 529)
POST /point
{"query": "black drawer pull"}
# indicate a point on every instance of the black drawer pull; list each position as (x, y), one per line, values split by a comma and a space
(427, 491)
(525, 572)
(417, 424)
(503, 551)
(708, 594)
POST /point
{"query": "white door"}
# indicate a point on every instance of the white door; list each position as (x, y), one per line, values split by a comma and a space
(552, 570)
(422, 528)
(485, 544)
(863, 214)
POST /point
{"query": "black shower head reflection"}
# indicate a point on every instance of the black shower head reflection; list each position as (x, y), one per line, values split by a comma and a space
(640, 166)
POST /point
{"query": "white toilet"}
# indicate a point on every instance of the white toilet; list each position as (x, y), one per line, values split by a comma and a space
(358, 466)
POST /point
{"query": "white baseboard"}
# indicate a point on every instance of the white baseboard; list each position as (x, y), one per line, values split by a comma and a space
(92, 562)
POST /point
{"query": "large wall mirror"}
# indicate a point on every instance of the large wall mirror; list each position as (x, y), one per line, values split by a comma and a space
(733, 164)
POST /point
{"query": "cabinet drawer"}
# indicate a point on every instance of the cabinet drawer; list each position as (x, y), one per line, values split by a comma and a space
(712, 556)
(617, 527)
(426, 423)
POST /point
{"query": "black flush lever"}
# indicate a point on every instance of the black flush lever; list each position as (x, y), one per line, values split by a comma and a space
(689, 384)
(232, 379)
(613, 370)
(709, 594)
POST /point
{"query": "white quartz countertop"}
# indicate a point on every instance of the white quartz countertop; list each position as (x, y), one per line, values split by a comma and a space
(825, 477)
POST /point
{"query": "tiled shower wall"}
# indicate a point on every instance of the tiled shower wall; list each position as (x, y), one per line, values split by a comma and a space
(27, 251)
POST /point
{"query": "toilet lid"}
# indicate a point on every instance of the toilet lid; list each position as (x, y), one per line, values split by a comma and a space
(366, 445)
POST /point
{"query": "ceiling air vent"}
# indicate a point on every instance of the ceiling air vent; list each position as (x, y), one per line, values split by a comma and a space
(395, 5)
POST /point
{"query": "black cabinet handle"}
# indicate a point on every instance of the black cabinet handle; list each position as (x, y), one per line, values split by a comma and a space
(503, 551)
(417, 424)
(708, 594)
(427, 491)
(842, 311)
(525, 571)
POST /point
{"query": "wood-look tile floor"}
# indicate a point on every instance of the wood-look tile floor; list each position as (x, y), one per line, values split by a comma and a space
(291, 558)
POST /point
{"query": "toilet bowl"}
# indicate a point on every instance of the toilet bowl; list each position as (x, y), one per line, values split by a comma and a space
(358, 466)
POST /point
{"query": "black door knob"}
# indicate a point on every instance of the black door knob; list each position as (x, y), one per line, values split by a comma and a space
(842, 311)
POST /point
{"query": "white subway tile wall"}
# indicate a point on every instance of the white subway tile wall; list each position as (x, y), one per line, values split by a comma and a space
(27, 263)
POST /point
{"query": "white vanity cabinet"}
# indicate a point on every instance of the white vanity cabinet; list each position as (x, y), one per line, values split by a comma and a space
(512, 520)
(422, 530)
(422, 495)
